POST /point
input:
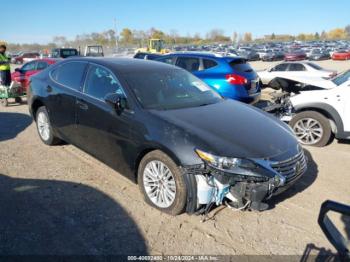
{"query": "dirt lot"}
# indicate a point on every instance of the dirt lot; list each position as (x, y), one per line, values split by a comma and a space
(59, 200)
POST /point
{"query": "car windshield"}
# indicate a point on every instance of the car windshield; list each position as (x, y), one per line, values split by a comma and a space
(170, 89)
(341, 79)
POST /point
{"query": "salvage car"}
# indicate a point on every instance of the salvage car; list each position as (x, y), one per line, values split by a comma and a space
(294, 69)
(162, 127)
(231, 76)
(23, 74)
(25, 57)
(316, 109)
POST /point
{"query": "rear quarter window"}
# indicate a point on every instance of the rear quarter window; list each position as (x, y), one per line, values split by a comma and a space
(208, 63)
(167, 60)
(241, 65)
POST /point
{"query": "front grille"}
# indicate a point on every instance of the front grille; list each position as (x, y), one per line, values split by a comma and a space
(291, 168)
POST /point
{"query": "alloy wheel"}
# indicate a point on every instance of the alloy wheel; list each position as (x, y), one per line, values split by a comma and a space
(159, 184)
(309, 131)
(43, 126)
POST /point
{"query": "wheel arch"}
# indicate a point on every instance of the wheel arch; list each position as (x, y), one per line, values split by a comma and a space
(145, 150)
(36, 104)
(326, 110)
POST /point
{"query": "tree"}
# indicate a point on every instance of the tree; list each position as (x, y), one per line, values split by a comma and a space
(60, 40)
(217, 35)
(126, 36)
(273, 36)
(301, 37)
(247, 37)
(347, 30)
(323, 35)
(234, 37)
(157, 34)
(317, 36)
(337, 33)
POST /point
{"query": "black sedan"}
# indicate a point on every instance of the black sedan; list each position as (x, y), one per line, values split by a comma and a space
(273, 56)
(165, 129)
(317, 55)
(147, 56)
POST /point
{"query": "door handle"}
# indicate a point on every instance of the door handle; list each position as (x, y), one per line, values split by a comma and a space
(82, 105)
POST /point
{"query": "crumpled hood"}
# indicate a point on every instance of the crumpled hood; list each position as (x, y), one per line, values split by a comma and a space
(310, 80)
(233, 129)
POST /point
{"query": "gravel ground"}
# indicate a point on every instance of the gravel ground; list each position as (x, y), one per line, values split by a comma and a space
(59, 200)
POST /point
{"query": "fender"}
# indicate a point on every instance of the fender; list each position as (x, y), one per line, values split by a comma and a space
(330, 111)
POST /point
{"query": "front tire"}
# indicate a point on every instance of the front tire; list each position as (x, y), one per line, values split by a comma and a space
(18, 100)
(162, 183)
(311, 128)
(44, 127)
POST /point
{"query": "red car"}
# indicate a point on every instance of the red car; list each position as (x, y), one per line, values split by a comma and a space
(25, 57)
(341, 55)
(295, 56)
(22, 75)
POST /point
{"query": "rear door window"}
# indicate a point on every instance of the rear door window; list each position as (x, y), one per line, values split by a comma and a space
(280, 68)
(100, 82)
(208, 63)
(70, 74)
(296, 67)
(241, 65)
(190, 64)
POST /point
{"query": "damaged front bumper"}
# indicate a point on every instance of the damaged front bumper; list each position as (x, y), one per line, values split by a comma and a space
(248, 189)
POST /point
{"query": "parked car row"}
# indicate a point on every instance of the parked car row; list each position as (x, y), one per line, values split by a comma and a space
(278, 51)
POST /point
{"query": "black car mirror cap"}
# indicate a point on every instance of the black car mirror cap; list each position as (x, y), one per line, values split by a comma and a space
(117, 101)
(18, 69)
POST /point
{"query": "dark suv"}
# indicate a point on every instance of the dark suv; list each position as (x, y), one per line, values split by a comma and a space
(231, 77)
(64, 52)
(165, 129)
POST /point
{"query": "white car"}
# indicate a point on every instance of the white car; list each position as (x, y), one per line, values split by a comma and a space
(321, 114)
(294, 69)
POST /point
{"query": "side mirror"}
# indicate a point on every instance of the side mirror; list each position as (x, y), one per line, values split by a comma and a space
(330, 230)
(18, 70)
(117, 101)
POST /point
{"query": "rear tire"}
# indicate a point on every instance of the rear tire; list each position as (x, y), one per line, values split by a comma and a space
(162, 183)
(4, 102)
(18, 100)
(311, 128)
(44, 127)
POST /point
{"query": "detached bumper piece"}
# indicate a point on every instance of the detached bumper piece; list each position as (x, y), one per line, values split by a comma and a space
(208, 186)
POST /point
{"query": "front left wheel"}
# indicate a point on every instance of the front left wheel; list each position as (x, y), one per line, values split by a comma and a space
(162, 183)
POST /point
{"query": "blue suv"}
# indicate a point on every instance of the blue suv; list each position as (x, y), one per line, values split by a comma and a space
(232, 77)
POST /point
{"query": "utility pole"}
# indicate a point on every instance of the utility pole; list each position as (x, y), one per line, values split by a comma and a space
(116, 35)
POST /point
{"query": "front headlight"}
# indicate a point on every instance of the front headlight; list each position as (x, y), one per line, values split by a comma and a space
(225, 163)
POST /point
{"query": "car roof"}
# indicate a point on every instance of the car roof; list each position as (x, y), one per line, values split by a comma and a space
(203, 55)
(125, 65)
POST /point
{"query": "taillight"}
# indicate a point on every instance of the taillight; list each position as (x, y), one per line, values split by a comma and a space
(236, 79)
